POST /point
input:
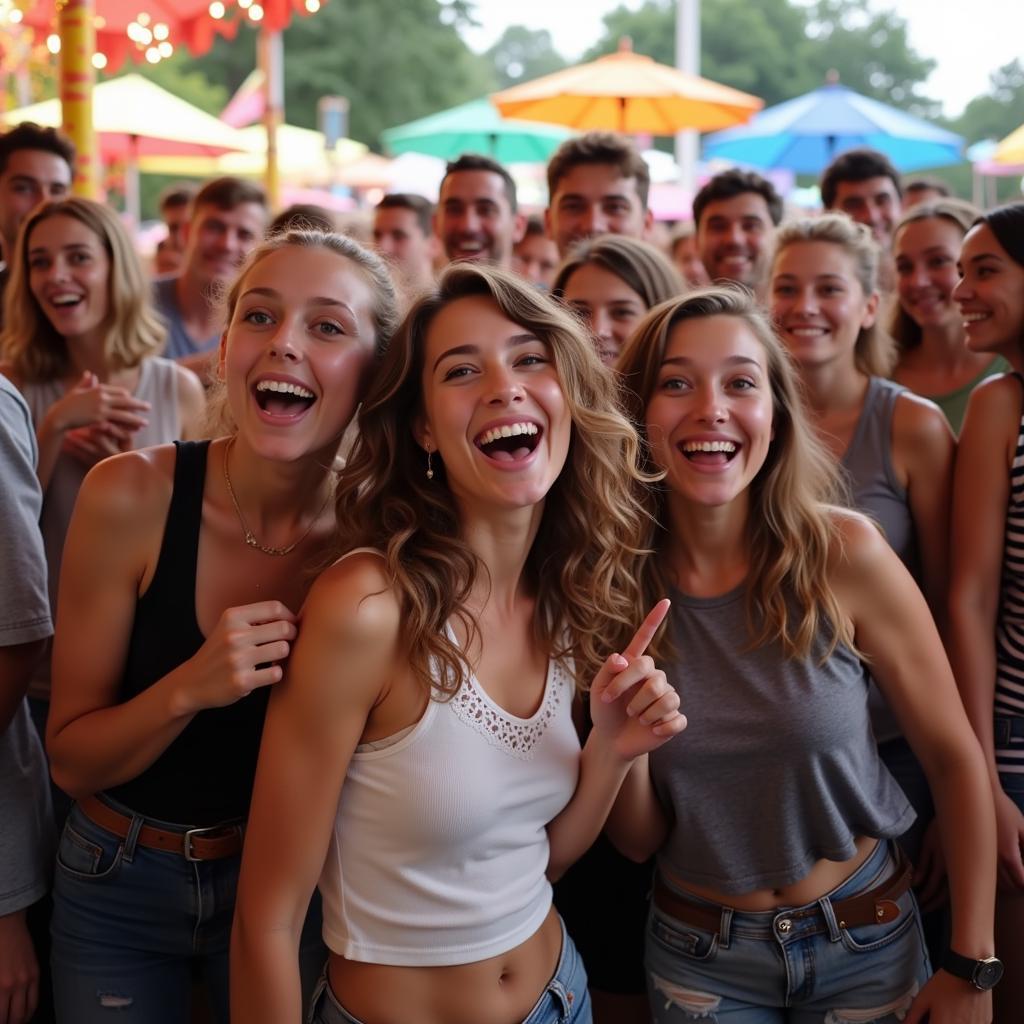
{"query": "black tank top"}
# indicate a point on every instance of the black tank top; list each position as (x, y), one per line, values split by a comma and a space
(206, 774)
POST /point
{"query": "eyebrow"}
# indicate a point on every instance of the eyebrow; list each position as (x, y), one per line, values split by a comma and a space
(70, 247)
(817, 277)
(731, 361)
(468, 350)
(317, 300)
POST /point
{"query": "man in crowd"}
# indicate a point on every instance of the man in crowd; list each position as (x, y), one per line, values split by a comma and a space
(403, 234)
(228, 218)
(597, 185)
(535, 257)
(35, 164)
(924, 190)
(27, 832)
(174, 206)
(863, 184)
(736, 214)
(477, 216)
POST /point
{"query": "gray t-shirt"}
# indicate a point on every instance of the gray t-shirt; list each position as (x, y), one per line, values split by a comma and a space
(26, 832)
(179, 342)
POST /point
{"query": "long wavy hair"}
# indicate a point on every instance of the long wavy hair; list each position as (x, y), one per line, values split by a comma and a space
(791, 529)
(133, 331)
(905, 331)
(874, 352)
(582, 564)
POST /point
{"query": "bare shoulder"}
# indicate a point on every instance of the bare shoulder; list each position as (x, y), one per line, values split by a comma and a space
(919, 421)
(130, 490)
(995, 404)
(191, 397)
(858, 548)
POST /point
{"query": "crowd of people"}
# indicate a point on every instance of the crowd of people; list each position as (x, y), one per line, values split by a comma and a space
(512, 619)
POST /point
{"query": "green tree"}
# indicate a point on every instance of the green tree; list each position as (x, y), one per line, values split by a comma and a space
(522, 54)
(998, 112)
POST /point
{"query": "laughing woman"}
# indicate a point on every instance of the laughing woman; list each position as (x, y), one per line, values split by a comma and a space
(183, 569)
(780, 895)
(420, 758)
(988, 569)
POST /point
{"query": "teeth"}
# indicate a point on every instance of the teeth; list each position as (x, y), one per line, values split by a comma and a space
(710, 446)
(807, 332)
(973, 318)
(509, 430)
(285, 387)
(65, 300)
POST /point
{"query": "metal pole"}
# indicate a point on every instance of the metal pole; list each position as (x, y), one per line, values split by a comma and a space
(688, 59)
(77, 78)
(271, 63)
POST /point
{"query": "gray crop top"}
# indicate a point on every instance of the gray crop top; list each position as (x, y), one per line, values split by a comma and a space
(778, 767)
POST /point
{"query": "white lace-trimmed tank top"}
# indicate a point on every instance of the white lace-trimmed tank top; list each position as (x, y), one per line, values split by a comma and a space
(439, 849)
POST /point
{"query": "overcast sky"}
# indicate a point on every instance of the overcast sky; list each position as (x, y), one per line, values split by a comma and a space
(968, 38)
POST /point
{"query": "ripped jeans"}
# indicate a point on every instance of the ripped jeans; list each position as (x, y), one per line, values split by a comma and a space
(131, 924)
(766, 968)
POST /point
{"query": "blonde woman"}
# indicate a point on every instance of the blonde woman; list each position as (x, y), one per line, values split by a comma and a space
(81, 343)
(420, 760)
(780, 894)
(184, 568)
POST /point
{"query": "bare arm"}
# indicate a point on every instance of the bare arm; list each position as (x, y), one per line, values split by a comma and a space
(980, 499)
(924, 450)
(638, 825)
(342, 662)
(895, 631)
(93, 741)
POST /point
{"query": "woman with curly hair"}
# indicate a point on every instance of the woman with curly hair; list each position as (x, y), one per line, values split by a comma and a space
(183, 571)
(780, 895)
(82, 345)
(420, 758)
(933, 360)
(986, 602)
(610, 282)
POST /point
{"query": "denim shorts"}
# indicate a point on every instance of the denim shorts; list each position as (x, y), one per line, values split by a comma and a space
(565, 999)
(1009, 743)
(131, 925)
(769, 968)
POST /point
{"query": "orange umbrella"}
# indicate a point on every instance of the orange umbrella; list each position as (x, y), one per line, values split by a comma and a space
(628, 92)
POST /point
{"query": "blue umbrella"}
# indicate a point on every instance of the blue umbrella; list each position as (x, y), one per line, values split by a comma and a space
(805, 133)
(476, 127)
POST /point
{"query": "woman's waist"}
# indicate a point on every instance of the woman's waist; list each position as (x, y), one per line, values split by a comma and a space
(824, 877)
(500, 989)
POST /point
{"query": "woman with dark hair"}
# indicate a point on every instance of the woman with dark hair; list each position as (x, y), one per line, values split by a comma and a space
(610, 282)
(780, 894)
(987, 593)
(420, 758)
(183, 571)
(933, 360)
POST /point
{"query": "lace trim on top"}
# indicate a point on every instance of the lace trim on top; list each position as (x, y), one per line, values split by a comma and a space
(516, 736)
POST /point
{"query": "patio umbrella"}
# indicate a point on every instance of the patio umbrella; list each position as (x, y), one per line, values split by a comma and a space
(1011, 149)
(804, 134)
(627, 92)
(476, 127)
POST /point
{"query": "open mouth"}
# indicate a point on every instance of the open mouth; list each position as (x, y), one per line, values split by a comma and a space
(283, 398)
(709, 453)
(66, 300)
(511, 442)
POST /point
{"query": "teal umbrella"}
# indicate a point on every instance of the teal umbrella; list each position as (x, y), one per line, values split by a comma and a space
(476, 127)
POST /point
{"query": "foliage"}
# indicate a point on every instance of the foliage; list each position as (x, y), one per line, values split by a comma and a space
(522, 54)
(394, 60)
(999, 111)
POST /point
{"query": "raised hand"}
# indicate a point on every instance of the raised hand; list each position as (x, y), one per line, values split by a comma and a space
(90, 402)
(632, 704)
(244, 652)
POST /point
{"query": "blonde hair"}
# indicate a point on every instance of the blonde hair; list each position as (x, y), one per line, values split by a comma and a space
(902, 327)
(581, 565)
(384, 312)
(133, 331)
(874, 353)
(790, 528)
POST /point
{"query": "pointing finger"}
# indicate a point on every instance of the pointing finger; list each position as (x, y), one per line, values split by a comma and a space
(645, 634)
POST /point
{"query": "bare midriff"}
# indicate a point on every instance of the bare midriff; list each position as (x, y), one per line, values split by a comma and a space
(825, 876)
(500, 990)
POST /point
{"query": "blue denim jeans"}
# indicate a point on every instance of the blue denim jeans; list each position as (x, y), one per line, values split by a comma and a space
(132, 924)
(565, 999)
(766, 968)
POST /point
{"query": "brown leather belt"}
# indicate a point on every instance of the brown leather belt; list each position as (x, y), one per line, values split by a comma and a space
(876, 906)
(192, 844)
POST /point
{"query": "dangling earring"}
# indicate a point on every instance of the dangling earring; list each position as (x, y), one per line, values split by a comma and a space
(430, 468)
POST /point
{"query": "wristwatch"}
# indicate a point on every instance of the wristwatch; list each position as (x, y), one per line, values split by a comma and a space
(982, 974)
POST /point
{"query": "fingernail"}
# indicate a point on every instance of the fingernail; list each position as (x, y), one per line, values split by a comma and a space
(618, 661)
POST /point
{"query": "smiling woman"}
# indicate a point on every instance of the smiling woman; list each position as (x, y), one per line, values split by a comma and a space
(184, 568)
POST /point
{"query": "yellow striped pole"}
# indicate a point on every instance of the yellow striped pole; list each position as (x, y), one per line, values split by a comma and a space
(77, 77)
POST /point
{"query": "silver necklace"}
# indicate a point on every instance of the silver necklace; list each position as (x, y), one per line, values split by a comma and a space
(250, 537)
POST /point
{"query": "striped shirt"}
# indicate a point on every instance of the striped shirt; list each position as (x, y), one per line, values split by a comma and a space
(1009, 696)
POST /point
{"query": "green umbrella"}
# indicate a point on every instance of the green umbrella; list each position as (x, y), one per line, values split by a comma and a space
(476, 127)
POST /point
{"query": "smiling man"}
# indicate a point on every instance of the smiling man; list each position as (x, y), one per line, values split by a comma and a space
(228, 219)
(35, 164)
(864, 185)
(597, 185)
(736, 213)
(477, 216)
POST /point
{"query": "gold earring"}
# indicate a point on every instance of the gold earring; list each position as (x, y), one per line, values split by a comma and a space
(430, 468)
